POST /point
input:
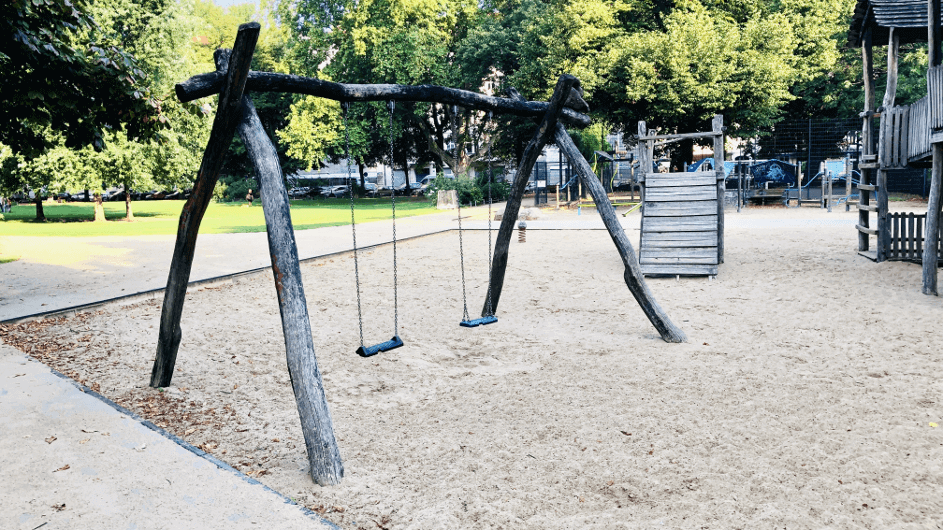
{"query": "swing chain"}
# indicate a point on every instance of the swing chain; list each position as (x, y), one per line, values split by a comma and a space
(489, 310)
(458, 201)
(345, 106)
(391, 105)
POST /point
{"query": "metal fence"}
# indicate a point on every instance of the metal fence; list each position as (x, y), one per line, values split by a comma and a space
(809, 142)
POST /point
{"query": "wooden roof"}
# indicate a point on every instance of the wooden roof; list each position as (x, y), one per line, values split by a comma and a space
(908, 17)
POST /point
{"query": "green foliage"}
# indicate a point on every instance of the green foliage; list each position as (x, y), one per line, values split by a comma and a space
(469, 191)
(313, 126)
(235, 188)
(590, 140)
(62, 73)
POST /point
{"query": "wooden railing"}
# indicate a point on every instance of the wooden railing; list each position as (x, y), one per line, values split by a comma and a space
(893, 150)
(907, 237)
(918, 128)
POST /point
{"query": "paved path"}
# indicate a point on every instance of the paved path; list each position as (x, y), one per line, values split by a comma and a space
(69, 460)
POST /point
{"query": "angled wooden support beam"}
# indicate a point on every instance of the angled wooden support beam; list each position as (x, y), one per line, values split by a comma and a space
(541, 136)
(633, 274)
(326, 467)
(224, 126)
(208, 84)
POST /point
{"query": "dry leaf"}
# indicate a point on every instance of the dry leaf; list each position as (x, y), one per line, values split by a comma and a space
(63, 468)
(189, 432)
(85, 441)
(51, 439)
(275, 440)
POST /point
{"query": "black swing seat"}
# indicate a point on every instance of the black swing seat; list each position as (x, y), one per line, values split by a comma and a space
(483, 321)
(392, 344)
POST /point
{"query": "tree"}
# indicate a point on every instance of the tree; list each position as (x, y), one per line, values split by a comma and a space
(60, 74)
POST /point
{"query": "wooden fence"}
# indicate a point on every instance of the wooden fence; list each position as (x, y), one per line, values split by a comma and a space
(907, 236)
(918, 137)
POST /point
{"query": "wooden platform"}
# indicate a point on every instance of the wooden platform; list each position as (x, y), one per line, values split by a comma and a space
(679, 225)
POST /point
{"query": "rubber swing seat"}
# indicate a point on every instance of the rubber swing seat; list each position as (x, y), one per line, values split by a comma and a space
(483, 321)
(392, 344)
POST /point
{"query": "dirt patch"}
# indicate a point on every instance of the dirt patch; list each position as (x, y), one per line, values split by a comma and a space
(804, 397)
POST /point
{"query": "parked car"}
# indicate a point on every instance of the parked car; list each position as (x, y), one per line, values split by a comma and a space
(338, 191)
(297, 193)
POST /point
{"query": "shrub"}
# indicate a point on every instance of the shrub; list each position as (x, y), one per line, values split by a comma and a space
(468, 191)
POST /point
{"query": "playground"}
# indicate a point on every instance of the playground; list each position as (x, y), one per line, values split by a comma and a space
(806, 395)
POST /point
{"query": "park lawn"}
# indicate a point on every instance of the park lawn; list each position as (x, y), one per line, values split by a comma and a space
(161, 217)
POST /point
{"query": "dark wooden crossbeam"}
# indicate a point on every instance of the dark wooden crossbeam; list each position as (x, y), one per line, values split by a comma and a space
(203, 85)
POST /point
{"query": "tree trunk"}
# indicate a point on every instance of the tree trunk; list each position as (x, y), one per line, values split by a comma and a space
(128, 214)
(86, 196)
(40, 215)
(99, 209)
(363, 179)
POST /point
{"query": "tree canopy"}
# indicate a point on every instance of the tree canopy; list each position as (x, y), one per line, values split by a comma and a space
(100, 74)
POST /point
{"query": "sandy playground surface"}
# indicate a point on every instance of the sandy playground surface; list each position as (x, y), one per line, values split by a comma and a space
(806, 396)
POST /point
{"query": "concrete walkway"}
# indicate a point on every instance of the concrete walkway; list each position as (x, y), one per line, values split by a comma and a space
(70, 460)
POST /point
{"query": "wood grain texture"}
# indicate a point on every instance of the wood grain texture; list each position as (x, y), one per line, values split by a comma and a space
(687, 194)
(683, 270)
(224, 126)
(210, 83)
(326, 467)
(717, 127)
(660, 180)
(679, 209)
(512, 207)
(702, 223)
(633, 274)
(931, 239)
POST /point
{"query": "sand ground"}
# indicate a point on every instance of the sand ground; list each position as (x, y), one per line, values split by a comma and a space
(806, 396)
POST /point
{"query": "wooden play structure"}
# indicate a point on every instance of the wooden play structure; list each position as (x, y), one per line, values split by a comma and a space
(233, 81)
(907, 135)
(682, 213)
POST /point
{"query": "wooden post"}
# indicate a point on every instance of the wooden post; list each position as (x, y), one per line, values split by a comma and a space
(543, 134)
(224, 126)
(326, 467)
(934, 35)
(932, 237)
(717, 126)
(828, 175)
(633, 274)
(886, 138)
(867, 145)
(644, 167)
(884, 235)
(847, 183)
(740, 188)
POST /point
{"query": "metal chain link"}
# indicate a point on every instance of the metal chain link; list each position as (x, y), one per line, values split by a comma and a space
(391, 105)
(488, 309)
(345, 105)
(458, 200)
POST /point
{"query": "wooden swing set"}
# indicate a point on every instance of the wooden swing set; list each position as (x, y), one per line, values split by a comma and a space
(232, 80)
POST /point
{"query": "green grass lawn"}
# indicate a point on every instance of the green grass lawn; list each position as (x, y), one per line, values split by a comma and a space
(161, 217)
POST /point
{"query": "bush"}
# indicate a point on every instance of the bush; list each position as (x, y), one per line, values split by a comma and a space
(468, 191)
(235, 188)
